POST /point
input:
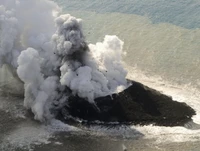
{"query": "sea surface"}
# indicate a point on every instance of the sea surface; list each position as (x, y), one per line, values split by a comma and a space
(162, 45)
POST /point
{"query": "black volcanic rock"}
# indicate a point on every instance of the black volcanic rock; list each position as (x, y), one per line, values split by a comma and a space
(138, 104)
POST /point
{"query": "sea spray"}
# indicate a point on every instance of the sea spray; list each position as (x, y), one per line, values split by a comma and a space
(55, 61)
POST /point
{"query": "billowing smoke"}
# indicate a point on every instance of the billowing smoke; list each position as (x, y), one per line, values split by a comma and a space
(24, 24)
(52, 58)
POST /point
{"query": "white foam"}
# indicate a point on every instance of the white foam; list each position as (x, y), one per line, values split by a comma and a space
(26, 134)
(180, 93)
(40, 50)
(30, 133)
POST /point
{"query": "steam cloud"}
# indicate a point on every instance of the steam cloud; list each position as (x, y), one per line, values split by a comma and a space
(52, 58)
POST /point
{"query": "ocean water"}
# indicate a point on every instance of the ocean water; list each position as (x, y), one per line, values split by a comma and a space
(161, 40)
(161, 37)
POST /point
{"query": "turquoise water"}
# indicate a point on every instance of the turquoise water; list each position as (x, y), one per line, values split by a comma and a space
(181, 13)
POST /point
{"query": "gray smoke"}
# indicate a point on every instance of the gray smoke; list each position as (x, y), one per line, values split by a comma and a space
(51, 56)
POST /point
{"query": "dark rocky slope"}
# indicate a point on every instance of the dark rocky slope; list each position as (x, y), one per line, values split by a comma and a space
(138, 104)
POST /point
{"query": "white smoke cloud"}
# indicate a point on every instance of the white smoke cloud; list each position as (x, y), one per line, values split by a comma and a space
(24, 24)
(50, 54)
(8, 35)
(37, 88)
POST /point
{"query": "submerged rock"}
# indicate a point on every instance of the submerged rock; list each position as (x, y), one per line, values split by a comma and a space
(138, 104)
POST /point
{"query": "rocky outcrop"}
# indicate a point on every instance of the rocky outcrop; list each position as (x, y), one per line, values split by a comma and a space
(138, 104)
